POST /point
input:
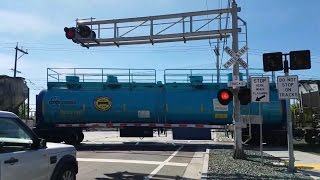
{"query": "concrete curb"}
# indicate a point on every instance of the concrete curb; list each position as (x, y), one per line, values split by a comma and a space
(205, 165)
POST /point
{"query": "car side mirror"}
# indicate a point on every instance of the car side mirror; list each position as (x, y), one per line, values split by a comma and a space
(43, 143)
(39, 144)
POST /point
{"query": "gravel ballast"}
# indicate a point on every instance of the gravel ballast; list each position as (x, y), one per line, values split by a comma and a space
(223, 166)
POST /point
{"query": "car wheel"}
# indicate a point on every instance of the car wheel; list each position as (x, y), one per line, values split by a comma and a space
(67, 172)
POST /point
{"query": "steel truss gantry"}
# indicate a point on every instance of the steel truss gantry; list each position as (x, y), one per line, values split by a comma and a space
(189, 26)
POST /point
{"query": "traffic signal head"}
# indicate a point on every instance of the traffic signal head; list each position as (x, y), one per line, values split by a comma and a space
(70, 32)
(85, 31)
(224, 96)
(300, 60)
(79, 32)
(272, 61)
(244, 96)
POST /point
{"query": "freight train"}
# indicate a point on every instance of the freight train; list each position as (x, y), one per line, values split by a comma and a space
(136, 103)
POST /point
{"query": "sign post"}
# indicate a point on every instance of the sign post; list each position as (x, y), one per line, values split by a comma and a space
(288, 89)
(260, 93)
(236, 60)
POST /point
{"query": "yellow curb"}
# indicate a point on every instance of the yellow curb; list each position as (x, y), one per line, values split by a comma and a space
(308, 166)
(305, 166)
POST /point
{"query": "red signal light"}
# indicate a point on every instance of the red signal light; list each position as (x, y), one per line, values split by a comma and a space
(70, 32)
(224, 96)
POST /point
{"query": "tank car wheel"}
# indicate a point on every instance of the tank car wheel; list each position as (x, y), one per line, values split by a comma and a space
(80, 137)
(57, 139)
(72, 138)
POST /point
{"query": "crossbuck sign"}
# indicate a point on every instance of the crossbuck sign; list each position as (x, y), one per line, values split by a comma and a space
(236, 57)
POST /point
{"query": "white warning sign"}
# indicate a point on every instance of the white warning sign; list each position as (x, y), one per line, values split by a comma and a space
(219, 107)
(260, 89)
(288, 87)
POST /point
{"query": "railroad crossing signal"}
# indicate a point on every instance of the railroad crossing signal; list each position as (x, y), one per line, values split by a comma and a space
(244, 96)
(272, 61)
(224, 96)
(236, 57)
(81, 31)
(300, 60)
(85, 32)
(70, 32)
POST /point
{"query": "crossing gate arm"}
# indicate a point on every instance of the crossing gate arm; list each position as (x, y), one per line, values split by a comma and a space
(151, 125)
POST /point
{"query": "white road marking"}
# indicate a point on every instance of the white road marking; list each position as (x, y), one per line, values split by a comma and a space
(154, 172)
(131, 161)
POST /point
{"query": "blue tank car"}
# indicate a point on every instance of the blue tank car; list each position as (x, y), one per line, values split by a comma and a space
(134, 101)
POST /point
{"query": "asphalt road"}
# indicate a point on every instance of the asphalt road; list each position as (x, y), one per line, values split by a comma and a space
(104, 155)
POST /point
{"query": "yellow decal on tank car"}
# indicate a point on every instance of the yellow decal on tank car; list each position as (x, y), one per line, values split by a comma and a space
(221, 116)
(103, 103)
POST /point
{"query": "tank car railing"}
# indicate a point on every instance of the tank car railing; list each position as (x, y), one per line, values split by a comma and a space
(102, 75)
(148, 75)
(208, 75)
(55, 73)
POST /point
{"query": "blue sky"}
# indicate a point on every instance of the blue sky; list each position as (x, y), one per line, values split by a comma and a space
(273, 25)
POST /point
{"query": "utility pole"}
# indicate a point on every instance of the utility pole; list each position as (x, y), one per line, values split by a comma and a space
(16, 59)
(216, 51)
(238, 151)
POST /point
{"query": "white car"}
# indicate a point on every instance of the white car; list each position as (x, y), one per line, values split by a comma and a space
(24, 156)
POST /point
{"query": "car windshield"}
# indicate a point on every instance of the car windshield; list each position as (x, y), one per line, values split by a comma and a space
(11, 132)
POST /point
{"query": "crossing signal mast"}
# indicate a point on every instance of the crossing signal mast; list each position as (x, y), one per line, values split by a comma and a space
(184, 27)
(151, 29)
(299, 60)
